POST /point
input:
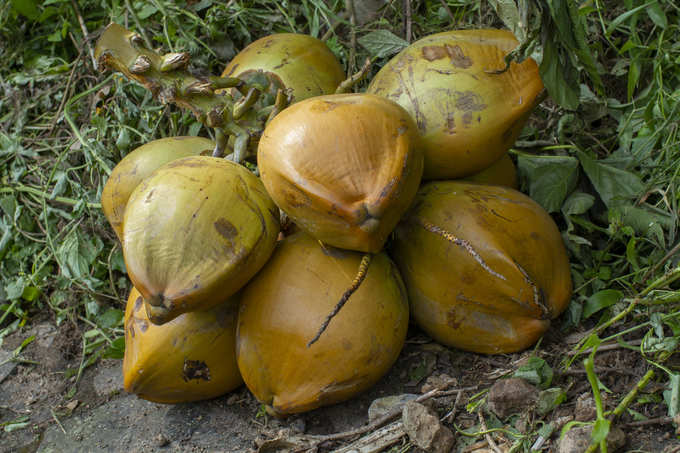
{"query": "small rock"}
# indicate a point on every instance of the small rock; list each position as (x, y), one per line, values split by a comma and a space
(437, 381)
(585, 408)
(559, 422)
(509, 396)
(7, 365)
(382, 406)
(161, 440)
(577, 440)
(425, 430)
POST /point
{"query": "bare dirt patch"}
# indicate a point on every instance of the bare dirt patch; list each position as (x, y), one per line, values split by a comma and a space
(99, 416)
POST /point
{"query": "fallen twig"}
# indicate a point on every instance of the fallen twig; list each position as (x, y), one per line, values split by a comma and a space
(661, 262)
(86, 34)
(439, 391)
(487, 434)
(650, 421)
(607, 347)
(377, 441)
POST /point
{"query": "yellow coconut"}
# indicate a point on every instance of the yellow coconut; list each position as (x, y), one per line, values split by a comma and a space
(302, 64)
(485, 266)
(190, 358)
(285, 304)
(469, 110)
(344, 167)
(195, 232)
(139, 164)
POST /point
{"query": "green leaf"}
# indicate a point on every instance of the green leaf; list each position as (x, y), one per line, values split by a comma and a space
(612, 184)
(672, 395)
(76, 256)
(147, 11)
(549, 399)
(28, 8)
(578, 203)
(550, 178)
(625, 16)
(658, 16)
(507, 11)
(536, 371)
(640, 219)
(15, 289)
(600, 300)
(116, 350)
(30, 293)
(382, 43)
(600, 430)
(110, 318)
(19, 423)
(564, 91)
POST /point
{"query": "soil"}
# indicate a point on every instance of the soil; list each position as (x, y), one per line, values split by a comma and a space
(101, 417)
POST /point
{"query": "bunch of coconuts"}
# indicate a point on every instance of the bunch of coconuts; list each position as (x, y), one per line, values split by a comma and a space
(316, 312)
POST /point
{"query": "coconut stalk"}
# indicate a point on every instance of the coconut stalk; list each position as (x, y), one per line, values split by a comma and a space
(236, 109)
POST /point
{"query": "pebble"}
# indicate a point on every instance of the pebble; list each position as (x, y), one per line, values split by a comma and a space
(425, 430)
(577, 440)
(511, 396)
(382, 406)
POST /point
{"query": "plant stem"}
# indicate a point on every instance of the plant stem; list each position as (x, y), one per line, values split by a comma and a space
(625, 402)
(40, 193)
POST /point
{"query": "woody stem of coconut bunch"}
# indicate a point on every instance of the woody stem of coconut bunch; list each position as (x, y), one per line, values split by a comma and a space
(220, 103)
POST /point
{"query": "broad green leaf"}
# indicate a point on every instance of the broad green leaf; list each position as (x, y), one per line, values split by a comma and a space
(507, 11)
(30, 293)
(600, 430)
(116, 350)
(147, 11)
(564, 91)
(382, 43)
(656, 13)
(549, 399)
(110, 318)
(550, 178)
(672, 395)
(612, 184)
(75, 255)
(28, 8)
(536, 371)
(578, 203)
(640, 219)
(600, 300)
(15, 289)
(8, 204)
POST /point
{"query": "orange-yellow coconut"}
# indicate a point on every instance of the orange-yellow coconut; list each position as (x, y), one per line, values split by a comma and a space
(190, 358)
(485, 266)
(344, 167)
(285, 304)
(468, 109)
